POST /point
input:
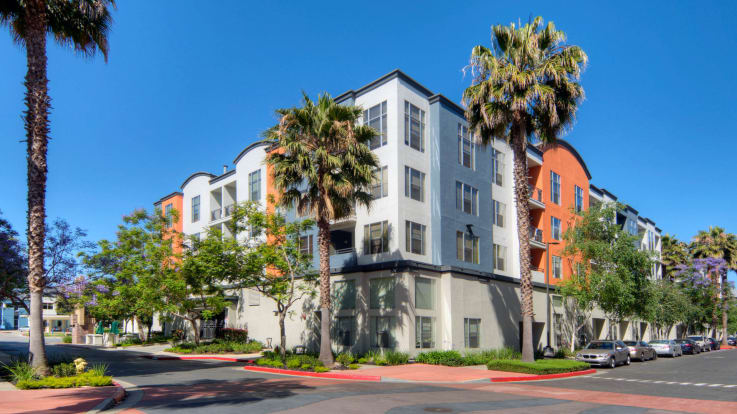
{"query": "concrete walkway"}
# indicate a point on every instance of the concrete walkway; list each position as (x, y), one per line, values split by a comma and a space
(436, 373)
(68, 400)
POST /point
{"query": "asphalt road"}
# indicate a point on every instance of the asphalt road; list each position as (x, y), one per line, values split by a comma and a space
(224, 387)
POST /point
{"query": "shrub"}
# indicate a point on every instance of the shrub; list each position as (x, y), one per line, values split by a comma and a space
(345, 358)
(321, 369)
(99, 369)
(67, 339)
(64, 370)
(217, 346)
(449, 358)
(396, 358)
(294, 363)
(540, 367)
(18, 370)
(380, 360)
(353, 366)
(305, 367)
(87, 379)
(235, 335)
(363, 360)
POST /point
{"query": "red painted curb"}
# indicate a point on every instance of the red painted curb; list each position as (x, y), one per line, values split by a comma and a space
(175, 358)
(330, 375)
(544, 377)
(119, 393)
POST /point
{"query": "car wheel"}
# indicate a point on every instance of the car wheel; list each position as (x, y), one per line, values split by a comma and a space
(612, 363)
(628, 360)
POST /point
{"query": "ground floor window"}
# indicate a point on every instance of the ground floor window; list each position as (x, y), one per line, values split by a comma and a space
(345, 330)
(424, 332)
(471, 329)
(381, 331)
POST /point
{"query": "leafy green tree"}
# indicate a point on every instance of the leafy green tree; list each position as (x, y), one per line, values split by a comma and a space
(669, 306)
(84, 25)
(13, 267)
(271, 261)
(616, 270)
(697, 281)
(579, 300)
(674, 253)
(524, 87)
(322, 165)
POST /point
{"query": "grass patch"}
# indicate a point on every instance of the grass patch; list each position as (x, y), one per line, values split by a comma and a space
(539, 367)
(218, 346)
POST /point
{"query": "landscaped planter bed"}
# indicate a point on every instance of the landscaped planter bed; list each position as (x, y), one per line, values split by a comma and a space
(539, 367)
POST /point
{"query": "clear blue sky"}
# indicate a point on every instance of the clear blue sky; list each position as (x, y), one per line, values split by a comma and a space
(188, 87)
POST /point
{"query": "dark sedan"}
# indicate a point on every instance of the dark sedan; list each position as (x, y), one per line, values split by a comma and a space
(689, 346)
(714, 344)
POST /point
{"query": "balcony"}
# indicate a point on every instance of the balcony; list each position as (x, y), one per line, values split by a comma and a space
(229, 210)
(343, 258)
(536, 239)
(536, 197)
(216, 214)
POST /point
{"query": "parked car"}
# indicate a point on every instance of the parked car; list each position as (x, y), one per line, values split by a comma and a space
(701, 341)
(689, 346)
(667, 347)
(641, 350)
(715, 345)
(731, 340)
(605, 354)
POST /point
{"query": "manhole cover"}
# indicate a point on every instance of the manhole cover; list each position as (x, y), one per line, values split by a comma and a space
(438, 410)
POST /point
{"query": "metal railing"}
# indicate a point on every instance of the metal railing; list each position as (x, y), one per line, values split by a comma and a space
(216, 214)
(536, 234)
(229, 210)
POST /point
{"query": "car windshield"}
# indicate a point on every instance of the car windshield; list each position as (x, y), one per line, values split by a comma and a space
(696, 338)
(630, 343)
(682, 341)
(600, 345)
(659, 341)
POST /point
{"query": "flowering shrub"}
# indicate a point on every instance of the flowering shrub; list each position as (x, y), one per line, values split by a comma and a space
(232, 334)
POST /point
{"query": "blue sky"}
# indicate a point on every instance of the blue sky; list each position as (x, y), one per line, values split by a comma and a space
(186, 88)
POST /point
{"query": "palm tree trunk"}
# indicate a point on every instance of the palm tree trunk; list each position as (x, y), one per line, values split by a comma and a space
(36, 123)
(521, 196)
(323, 241)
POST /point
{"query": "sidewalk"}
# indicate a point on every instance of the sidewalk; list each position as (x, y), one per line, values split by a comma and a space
(68, 400)
(436, 373)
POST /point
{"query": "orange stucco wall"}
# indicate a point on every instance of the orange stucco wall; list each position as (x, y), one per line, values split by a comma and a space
(572, 173)
(177, 203)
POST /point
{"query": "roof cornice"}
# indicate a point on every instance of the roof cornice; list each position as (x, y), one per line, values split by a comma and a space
(195, 175)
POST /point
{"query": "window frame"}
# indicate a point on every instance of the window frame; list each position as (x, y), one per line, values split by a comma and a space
(496, 207)
(382, 117)
(497, 249)
(463, 189)
(578, 198)
(350, 288)
(409, 173)
(408, 118)
(381, 302)
(368, 239)
(465, 139)
(254, 185)
(309, 242)
(420, 323)
(195, 216)
(557, 271)
(380, 182)
(433, 298)
(555, 230)
(409, 229)
(555, 181)
(497, 167)
(462, 239)
(467, 332)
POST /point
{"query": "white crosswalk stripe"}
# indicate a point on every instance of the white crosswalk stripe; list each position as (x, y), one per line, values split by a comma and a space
(700, 384)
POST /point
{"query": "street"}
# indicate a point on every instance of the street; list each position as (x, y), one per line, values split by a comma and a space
(702, 383)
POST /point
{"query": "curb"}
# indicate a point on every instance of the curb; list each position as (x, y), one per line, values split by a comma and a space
(375, 378)
(108, 402)
(329, 375)
(179, 358)
(545, 377)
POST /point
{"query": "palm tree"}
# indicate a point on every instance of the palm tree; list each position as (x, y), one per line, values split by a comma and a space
(525, 87)
(717, 243)
(322, 165)
(83, 24)
(675, 252)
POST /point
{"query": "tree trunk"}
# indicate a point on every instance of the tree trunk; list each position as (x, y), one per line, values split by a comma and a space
(148, 335)
(283, 335)
(36, 124)
(724, 310)
(521, 201)
(323, 240)
(139, 327)
(195, 331)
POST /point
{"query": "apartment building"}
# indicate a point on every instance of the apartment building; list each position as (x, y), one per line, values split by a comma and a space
(433, 264)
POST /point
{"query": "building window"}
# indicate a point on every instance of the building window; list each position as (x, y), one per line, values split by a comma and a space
(579, 199)
(381, 331)
(414, 126)
(376, 238)
(424, 332)
(48, 306)
(497, 167)
(344, 294)
(424, 293)
(168, 214)
(467, 247)
(415, 237)
(467, 198)
(305, 245)
(555, 228)
(414, 184)
(195, 209)
(375, 117)
(557, 268)
(500, 210)
(465, 147)
(254, 298)
(345, 328)
(380, 184)
(500, 257)
(471, 329)
(381, 293)
(554, 188)
(254, 186)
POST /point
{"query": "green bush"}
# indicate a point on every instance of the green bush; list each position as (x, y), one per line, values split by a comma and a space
(396, 358)
(380, 361)
(87, 379)
(18, 370)
(321, 369)
(217, 346)
(98, 369)
(540, 367)
(345, 358)
(294, 363)
(64, 370)
(448, 358)
(235, 335)
(67, 339)
(353, 366)
(363, 360)
(305, 367)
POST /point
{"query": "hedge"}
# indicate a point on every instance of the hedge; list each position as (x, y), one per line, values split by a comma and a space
(539, 367)
(82, 380)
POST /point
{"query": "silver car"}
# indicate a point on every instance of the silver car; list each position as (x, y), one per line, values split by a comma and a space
(667, 347)
(605, 354)
(701, 342)
(641, 350)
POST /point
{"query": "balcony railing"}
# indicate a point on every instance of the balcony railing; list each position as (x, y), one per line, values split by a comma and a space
(536, 235)
(535, 193)
(229, 210)
(216, 214)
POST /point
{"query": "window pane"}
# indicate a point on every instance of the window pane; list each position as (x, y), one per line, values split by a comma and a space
(424, 294)
(381, 331)
(381, 293)
(384, 181)
(345, 328)
(459, 245)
